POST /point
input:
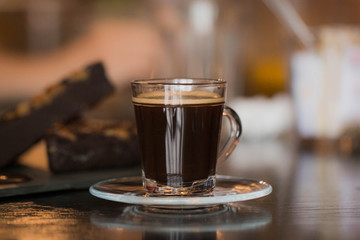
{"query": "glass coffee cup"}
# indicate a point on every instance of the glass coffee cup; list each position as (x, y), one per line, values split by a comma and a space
(179, 124)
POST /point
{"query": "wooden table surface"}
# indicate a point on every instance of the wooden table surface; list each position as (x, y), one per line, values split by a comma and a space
(315, 196)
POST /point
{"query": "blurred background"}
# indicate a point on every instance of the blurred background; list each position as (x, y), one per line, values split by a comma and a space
(293, 66)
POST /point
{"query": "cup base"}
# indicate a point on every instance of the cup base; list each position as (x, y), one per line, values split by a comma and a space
(199, 187)
(175, 211)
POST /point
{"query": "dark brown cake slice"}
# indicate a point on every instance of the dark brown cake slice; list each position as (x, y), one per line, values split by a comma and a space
(92, 144)
(23, 125)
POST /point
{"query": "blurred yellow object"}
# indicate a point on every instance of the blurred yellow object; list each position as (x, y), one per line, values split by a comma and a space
(267, 76)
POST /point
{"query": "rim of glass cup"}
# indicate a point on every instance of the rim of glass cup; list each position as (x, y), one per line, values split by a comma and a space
(180, 81)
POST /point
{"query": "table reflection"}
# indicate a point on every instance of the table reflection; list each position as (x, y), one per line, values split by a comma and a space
(182, 224)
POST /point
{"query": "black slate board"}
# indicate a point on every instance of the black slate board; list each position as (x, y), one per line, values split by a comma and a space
(34, 165)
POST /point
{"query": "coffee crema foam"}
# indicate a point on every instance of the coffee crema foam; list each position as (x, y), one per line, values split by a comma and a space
(178, 98)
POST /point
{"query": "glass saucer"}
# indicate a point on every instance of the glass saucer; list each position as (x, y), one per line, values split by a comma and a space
(228, 189)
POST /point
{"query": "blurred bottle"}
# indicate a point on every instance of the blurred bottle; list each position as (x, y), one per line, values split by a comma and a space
(325, 83)
(326, 89)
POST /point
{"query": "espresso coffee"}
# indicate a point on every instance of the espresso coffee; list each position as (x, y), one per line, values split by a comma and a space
(179, 137)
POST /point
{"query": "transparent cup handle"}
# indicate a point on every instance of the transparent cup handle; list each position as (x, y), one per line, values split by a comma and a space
(233, 140)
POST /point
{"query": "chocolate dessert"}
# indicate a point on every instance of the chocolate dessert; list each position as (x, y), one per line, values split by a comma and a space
(92, 144)
(26, 123)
